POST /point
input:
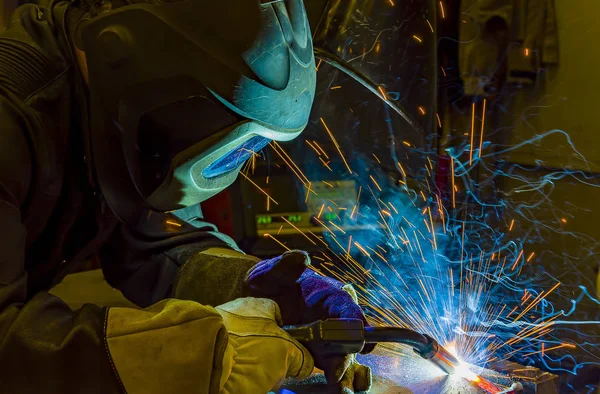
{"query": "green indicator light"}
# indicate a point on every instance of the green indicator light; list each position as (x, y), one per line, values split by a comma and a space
(330, 216)
(263, 220)
(295, 218)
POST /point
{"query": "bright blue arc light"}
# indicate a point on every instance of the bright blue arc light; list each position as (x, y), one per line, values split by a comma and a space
(235, 157)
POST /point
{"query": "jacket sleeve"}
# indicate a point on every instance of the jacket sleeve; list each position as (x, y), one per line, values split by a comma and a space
(191, 262)
(45, 347)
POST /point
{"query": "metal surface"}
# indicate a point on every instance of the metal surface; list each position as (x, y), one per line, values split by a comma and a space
(533, 379)
(410, 374)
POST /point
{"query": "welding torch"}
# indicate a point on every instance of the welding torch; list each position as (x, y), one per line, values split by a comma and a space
(340, 337)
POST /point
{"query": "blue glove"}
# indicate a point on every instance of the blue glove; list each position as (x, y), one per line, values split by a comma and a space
(304, 297)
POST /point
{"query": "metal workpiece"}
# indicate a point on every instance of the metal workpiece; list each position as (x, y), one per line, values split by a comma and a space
(406, 373)
(533, 380)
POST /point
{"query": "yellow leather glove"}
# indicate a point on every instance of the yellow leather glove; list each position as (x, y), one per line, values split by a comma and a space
(259, 355)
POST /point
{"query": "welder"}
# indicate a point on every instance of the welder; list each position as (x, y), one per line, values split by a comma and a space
(117, 119)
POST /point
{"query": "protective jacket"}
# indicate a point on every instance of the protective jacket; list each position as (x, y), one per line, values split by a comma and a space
(52, 216)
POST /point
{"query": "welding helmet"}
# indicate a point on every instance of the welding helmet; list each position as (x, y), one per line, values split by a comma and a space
(182, 93)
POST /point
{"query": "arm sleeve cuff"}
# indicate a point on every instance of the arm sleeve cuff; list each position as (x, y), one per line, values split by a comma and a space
(214, 276)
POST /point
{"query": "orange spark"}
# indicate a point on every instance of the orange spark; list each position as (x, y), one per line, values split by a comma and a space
(512, 223)
(290, 163)
(336, 226)
(382, 92)
(443, 71)
(326, 164)
(297, 229)
(482, 125)
(570, 346)
(336, 145)
(563, 220)
(517, 260)
(321, 149)
(429, 23)
(376, 158)
(375, 182)
(362, 249)
(417, 38)
(530, 256)
(259, 188)
(321, 211)
(526, 52)
(313, 148)
(422, 110)
(402, 169)
(173, 223)
(511, 312)
(276, 240)
(335, 87)
(536, 301)
(391, 2)
(442, 10)
(432, 229)
(453, 187)
(472, 133)
(439, 120)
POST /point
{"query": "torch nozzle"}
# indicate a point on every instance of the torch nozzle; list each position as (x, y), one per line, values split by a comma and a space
(444, 360)
(424, 345)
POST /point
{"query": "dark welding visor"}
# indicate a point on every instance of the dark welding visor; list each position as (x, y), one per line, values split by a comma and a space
(189, 90)
(197, 139)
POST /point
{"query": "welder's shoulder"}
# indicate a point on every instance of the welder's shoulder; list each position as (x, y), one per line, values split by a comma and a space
(32, 50)
(33, 78)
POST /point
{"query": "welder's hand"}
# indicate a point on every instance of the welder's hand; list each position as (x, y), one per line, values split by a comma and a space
(344, 371)
(346, 374)
(304, 297)
(259, 355)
